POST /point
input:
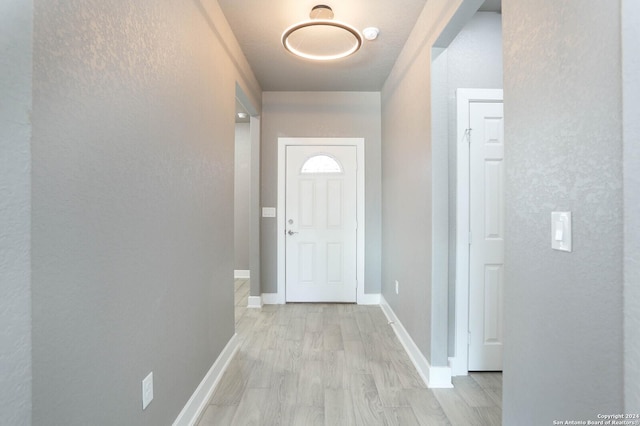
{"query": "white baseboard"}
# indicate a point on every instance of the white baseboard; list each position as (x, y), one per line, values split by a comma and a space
(241, 274)
(254, 302)
(369, 299)
(198, 401)
(433, 377)
(272, 299)
(439, 377)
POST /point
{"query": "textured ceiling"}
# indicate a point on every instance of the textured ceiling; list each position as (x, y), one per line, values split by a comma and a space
(258, 26)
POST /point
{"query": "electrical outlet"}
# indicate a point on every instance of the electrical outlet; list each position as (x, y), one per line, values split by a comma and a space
(147, 390)
(397, 287)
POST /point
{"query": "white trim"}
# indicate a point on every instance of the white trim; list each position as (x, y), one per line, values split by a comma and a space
(241, 274)
(254, 302)
(273, 299)
(200, 398)
(440, 377)
(433, 377)
(460, 362)
(369, 299)
(361, 297)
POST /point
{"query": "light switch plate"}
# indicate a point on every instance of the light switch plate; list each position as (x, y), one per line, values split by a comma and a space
(147, 390)
(268, 212)
(561, 231)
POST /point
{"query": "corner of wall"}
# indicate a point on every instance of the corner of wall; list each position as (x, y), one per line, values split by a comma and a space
(631, 134)
(16, 63)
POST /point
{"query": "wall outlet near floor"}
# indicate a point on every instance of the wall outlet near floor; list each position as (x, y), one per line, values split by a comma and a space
(147, 390)
(397, 287)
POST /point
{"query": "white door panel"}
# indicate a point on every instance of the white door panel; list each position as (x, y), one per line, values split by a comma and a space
(320, 214)
(486, 251)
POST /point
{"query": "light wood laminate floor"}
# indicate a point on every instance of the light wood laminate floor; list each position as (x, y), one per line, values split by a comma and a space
(336, 364)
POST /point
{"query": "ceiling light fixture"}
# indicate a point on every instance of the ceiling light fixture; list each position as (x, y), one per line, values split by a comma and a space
(321, 38)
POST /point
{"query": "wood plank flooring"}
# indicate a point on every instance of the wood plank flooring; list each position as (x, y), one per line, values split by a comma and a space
(336, 364)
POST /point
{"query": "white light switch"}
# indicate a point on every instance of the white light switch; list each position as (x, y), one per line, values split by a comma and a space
(268, 212)
(561, 231)
(147, 390)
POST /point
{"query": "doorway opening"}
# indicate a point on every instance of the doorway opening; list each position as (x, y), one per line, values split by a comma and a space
(242, 208)
(468, 53)
(246, 205)
(479, 231)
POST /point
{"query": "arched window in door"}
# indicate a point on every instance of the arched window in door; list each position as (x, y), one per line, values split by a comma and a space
(321, 163)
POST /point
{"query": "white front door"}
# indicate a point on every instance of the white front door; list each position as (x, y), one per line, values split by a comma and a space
(320, 215)
(486, 255)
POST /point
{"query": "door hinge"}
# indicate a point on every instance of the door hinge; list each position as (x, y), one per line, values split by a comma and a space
(468, 338)
(467, 132)
(470, 237)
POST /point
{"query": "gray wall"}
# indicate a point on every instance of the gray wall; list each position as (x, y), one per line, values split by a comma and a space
(254, 237)
(16, 26)
(242, 196)
(631, 110)
(132, 205)
(474, 61)
(321, 114)
(563, 311)
(407, 178)
(440, 200)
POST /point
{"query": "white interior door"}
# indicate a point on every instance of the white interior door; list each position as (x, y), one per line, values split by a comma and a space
(486, 249)
(320, 214)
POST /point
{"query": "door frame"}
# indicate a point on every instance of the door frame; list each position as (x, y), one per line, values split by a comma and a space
(254, 300)
(464, 97)
(280, 216)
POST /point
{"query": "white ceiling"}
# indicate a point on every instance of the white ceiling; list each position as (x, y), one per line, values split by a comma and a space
(258, 26)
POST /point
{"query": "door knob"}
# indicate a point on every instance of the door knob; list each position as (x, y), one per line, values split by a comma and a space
(290, 232)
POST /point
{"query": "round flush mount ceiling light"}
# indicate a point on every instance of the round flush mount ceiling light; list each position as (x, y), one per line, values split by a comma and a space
(321, 38)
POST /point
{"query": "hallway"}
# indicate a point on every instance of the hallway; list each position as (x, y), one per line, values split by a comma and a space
(333, 364)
